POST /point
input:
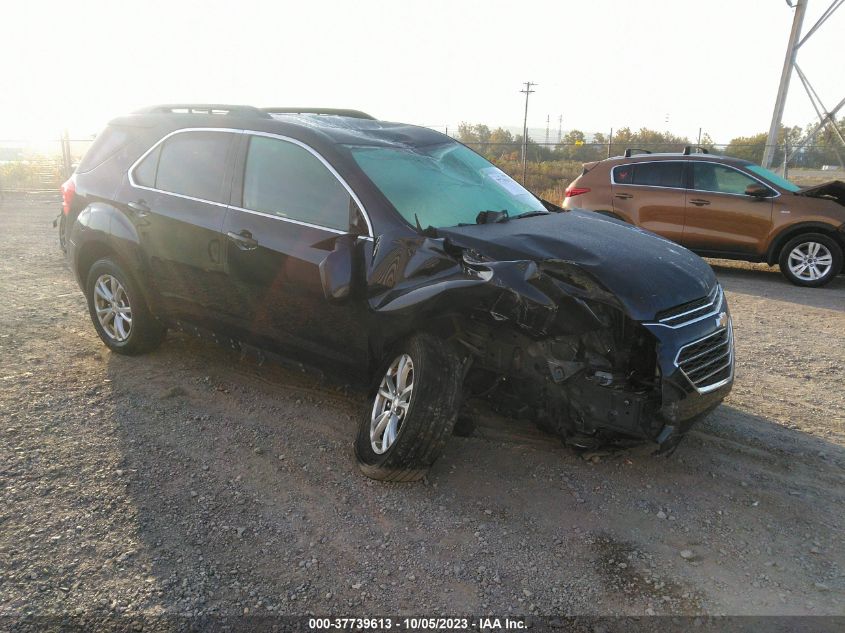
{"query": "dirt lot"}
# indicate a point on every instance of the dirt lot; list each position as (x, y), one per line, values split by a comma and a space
(191, 481)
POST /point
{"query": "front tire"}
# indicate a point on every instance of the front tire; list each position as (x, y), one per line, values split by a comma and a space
(118, 310)
(413, 411)
(811, 260)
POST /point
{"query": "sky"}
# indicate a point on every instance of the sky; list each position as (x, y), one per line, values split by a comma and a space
(601, 64)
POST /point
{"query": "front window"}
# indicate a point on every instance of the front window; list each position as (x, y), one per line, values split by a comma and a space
(719, 179)
(773, 178)
(283, 179)
(443, 185)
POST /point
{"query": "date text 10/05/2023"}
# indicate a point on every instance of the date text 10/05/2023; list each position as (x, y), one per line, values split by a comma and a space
(418, 624)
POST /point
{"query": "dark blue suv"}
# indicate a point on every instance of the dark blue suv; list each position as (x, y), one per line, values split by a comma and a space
(397, 256)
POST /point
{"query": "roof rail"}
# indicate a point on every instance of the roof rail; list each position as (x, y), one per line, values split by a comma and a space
(203, 108)
(698, 149)
(630, 151)
(355, 114)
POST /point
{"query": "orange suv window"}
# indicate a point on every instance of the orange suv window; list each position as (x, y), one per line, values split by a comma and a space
(657, 174)
(719, 179)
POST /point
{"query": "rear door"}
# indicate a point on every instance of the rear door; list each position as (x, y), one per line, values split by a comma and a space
(719, 216)
(177, 202)
(651, 194)
(288, 208)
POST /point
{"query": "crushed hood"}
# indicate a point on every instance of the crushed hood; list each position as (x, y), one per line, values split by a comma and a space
(644, 272)
(834, 190)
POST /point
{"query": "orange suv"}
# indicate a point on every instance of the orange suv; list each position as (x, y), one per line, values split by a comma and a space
(721, 207)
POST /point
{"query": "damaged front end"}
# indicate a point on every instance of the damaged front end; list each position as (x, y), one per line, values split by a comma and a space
(833, 190)
(547, 340)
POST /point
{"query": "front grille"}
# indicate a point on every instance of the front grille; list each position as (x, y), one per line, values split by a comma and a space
(708, 362)
(693, 311)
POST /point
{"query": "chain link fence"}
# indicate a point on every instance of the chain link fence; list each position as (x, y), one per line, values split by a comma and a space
(30, 167)
(27, 166)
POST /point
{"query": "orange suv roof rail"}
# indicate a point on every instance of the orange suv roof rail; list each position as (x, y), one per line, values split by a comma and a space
(629, 151)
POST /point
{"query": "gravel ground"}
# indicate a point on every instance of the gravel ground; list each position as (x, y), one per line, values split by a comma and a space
(191, 481)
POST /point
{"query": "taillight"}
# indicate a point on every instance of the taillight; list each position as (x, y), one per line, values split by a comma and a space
(575, 191)
(68, 192)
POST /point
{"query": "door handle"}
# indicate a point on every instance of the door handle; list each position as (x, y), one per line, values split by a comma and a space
(243, 240)
(140, 208)
(623, 196)
(699, 202)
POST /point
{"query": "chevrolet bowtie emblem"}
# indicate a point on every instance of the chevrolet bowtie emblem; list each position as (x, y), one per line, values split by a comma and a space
(722, 320)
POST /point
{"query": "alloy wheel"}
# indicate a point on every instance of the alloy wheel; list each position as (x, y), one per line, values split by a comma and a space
(112, 306)
(810, 261)
(391, 405)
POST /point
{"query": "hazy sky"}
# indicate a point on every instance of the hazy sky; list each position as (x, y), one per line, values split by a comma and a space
(599, 63)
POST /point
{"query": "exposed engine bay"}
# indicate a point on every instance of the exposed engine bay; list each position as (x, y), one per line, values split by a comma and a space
(586, 388)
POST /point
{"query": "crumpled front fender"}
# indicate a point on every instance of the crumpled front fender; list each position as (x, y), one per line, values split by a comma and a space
(421, 277)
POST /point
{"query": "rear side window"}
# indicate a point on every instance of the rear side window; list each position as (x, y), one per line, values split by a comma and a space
(189, 163)
(719, 179)
(286, 180)
(623, 174)
(106, 145)
(657, 174)
(145, 173)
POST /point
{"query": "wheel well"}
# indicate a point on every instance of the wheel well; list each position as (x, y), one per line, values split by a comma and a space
(781, 240)
(92, 252)
(382, 345)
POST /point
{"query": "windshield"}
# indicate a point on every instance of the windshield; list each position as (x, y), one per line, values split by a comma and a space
(773, 178)
(443, 185)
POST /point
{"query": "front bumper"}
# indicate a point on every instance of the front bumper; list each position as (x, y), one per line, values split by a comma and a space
(685, 399)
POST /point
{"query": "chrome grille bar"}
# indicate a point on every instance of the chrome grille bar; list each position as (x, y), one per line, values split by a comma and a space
(702, 361)
(709, 306)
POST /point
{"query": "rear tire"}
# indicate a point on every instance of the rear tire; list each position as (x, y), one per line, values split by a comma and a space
(810, 260)
(399, 440)
(62, 231)
(119, 312)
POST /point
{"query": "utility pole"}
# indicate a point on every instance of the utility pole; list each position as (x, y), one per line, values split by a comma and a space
(547, 129)
(559, 129)
(791, 48)
(527, 92)
(67, 166)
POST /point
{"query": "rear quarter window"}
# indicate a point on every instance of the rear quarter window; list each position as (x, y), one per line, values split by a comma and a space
(623, 174)
(107, 144)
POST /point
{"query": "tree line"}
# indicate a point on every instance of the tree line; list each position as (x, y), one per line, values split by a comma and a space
(502, 145)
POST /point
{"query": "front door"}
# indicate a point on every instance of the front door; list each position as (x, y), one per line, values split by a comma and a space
(289, 210)
(651, 195)
(177, 203)
(720, 217)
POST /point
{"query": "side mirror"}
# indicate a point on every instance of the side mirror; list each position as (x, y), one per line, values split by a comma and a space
(758, 191)
(339, 270)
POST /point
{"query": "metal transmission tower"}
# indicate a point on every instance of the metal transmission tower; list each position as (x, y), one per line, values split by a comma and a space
(527, 92)
(825, 117)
